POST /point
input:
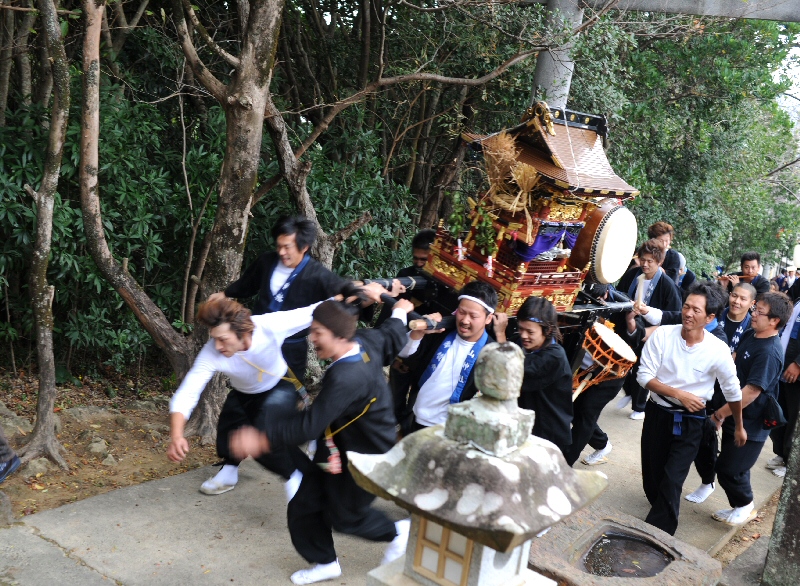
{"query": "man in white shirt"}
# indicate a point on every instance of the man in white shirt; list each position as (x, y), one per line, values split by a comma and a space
(441, 362)
(679, 365)
(245, 348)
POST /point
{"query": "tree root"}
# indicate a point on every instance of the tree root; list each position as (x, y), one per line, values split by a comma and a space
(42, 446)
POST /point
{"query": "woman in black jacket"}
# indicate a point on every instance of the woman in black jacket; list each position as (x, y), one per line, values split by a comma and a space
(547, 384)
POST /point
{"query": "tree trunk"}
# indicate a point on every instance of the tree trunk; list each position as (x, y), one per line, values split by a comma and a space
(176, 348)
(783, 566)
(44, 83)
(6, 55)
(42, 441)
(22, 58)
(244, 101)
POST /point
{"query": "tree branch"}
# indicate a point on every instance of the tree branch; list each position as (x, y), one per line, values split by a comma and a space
(230, 59)
(214, 86)
(387, 81)
(782, 167)
(347, 232)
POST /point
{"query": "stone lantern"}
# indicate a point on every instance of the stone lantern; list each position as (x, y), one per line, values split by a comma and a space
(479, 488)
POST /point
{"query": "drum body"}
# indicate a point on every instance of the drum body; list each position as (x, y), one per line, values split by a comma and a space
(609, 352)
(606, 243)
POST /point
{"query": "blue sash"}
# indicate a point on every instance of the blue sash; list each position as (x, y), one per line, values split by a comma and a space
(733, 343)
(466, 368)
(277, 300)
(649, 293)
(795, 328)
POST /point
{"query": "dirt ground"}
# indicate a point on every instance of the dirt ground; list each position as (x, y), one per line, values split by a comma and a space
(750, 533)
(134, 423)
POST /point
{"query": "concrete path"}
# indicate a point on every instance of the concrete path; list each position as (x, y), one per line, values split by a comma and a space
(166, 532)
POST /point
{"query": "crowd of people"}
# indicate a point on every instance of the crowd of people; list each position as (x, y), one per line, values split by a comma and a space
(714, 358)
(718, 364)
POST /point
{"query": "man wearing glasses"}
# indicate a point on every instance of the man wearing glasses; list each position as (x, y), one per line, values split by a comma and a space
(759, 364)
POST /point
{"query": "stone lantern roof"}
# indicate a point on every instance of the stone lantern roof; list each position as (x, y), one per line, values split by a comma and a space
(482, 474)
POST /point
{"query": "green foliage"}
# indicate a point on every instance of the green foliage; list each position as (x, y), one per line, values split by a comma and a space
(697, 128)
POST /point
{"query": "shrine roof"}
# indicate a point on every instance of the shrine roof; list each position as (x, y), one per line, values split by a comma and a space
(568, 154)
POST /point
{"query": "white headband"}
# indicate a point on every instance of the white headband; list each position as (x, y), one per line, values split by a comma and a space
(476, 300)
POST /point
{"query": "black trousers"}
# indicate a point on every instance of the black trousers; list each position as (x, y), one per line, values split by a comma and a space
(241, 409)
(706, 460)
(733, 469)
(586, 411)
(637, 393)
(789, 400)
(295, 353)
(326, 502)
(666, 460)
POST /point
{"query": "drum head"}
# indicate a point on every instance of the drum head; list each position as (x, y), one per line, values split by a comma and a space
(613, 341)
(613, 245)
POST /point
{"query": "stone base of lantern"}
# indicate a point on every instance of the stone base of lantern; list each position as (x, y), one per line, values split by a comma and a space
(437, 556)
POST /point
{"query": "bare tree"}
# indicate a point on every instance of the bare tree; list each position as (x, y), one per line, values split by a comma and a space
(42, 441)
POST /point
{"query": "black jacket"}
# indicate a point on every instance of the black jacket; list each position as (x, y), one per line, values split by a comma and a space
(665, 297)
(547, 390)
(347, 388)
(314, 283)
(419, 306)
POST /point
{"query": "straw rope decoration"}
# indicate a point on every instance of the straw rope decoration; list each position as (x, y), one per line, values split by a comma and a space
(502, 167)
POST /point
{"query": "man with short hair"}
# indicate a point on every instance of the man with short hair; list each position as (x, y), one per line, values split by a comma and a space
(352, 412)
(287, 278)
(750, 273)
(759, 363)
(441, 363)
(679, 365)
(664, 233)
(735, 318)
(658, 292)
(399, 375)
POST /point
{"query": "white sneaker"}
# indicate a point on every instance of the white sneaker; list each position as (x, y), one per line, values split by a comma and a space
(779, 472)
(292, 484)
(701, 493)
(598, 456)
(397, 548)
(776, 462)
(214, 486)
(624, 402)
(318, 573)
(637, 415)
(741, 515)
(722, 515)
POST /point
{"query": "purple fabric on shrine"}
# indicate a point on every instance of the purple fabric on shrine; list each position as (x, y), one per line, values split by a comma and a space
(549, 235)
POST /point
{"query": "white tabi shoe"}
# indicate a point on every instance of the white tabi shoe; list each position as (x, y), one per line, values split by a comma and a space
(701, 493)
(397, 548)
(213, 486)
(318, 573)
(598, 456)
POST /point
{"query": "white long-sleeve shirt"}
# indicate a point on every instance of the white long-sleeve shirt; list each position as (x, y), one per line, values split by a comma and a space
(693, 369)
(271, 329)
